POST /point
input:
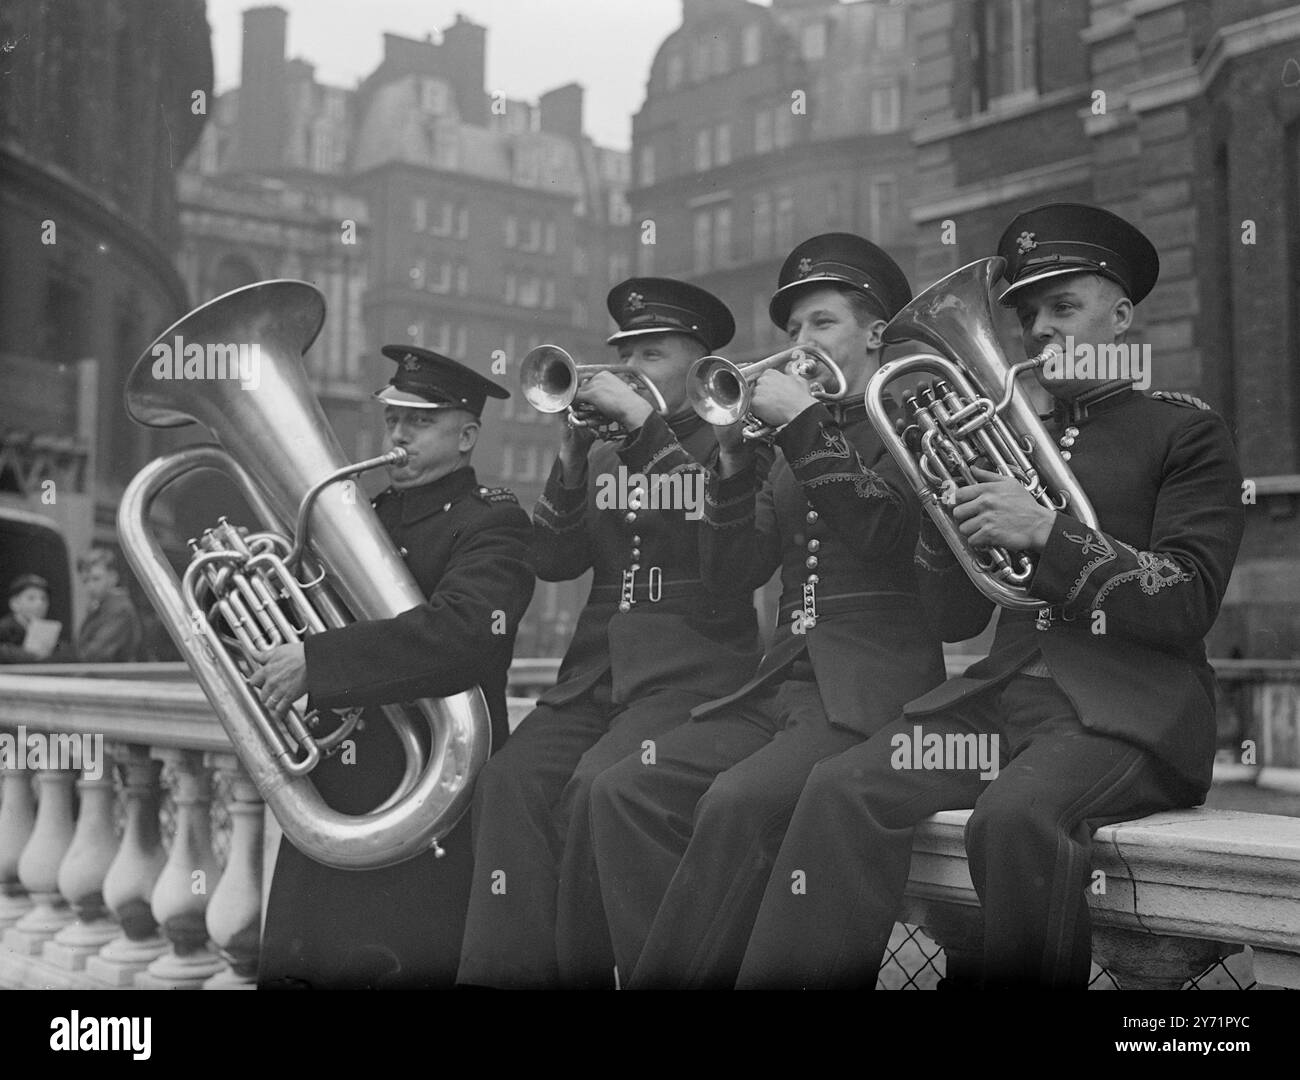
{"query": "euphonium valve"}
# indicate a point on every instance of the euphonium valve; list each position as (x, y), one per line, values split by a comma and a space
(317, 559)
(970, 416)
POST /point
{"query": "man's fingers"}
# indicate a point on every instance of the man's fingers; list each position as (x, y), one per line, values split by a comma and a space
(985, 476)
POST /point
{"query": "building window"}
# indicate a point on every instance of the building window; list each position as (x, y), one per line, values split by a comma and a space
(814, 41)
(441, 282)
(722, 236)
(762, 131)
(889, 30)
(512, 231)
(462, 342)
(721, 56)
(751, 44)
(782, 127)
(512, 287)
(722, 144)
(580, 315)
(675, 69)
(417, 273)
(462, 280)
(620, 211)
(462, 223)
(883, 209)
(419, 214)
(618, 267)
(1006, 52)
(701, 55)
(703, 240)
(703, 143)
(784, 220)
(885, 108)
(647, 169)
(548, 293)
(548, 243)
(762, 225)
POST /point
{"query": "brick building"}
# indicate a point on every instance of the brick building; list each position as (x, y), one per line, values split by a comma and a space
(484, 226)
(763, 126)
(101, 103)
(1179, 115)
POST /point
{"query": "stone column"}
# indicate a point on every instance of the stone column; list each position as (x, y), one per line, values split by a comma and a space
(17, 818)
(129, 883)
(180, 898)
(234, 915)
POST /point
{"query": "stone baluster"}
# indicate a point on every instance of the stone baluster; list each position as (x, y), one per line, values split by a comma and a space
(180, 898)
(82, 873)
(17, 817)
(38, 870)
(234, 914)
(1140, 961)
(129, 883)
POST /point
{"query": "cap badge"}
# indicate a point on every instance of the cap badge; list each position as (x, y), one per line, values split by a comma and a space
(1026, 242)
(805, 267)
(411, 362)
(635, 301)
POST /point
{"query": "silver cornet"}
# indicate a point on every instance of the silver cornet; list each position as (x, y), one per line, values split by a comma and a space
(550, 379)
(720, 390)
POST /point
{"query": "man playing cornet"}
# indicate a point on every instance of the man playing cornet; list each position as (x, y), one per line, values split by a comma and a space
(1100, 703)
(684, 846)
(652, 642)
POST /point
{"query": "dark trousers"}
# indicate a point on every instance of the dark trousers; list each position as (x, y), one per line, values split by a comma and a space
(1029, 843)
(535, 917)
(684, 845)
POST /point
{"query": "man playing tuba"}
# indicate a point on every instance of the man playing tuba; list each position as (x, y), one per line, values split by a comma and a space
(1100, 704)
(468, 549)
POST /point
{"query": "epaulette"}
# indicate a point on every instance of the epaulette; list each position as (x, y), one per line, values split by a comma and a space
(1176, 398)
(497, 495)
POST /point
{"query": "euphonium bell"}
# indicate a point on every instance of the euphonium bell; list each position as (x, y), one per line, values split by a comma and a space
(972, 417)
(721, 390)
(318, 559)
(550, 379)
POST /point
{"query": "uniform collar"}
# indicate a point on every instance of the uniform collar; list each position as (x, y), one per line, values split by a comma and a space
(685, 423)
(1099, 399)
(420, 502)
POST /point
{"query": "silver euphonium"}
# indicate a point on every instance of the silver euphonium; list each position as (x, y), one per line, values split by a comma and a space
(720, 390)
(550, 378)
(318, 559)
(972, 416)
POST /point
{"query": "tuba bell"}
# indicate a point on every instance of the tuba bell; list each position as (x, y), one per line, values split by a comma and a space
(550, 378)
(972, 416)
(318, 559)
(720, 390)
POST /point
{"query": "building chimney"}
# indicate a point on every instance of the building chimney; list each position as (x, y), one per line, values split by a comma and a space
(561, 111)
(262, 123)
(464, 57)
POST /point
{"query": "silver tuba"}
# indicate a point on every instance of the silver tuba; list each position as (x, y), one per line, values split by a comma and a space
(720, 389)
(972, 416)
(246, 591)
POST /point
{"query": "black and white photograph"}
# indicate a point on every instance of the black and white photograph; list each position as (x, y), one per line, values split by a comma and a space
(650, 495)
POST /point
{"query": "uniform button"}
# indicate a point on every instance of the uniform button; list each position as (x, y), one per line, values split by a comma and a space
(636, 553)
(813, 579)
(446, 507)
(636, 540)
(1067, 441)
(635, 567)
(814, 545)
(1065, 455)
(811, 562)
(624, 606)
(1072, 431)
(630, 516)
(402, 552)
(811, 517)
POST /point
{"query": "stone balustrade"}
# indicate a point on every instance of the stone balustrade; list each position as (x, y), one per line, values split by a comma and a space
(120, 880)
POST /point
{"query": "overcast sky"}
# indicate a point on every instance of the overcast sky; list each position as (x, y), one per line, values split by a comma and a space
(533, 45)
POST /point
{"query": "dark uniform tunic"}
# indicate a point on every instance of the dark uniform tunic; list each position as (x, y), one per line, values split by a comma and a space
(652, 642)
(1103, 704)
(683, 848)
(400, 926)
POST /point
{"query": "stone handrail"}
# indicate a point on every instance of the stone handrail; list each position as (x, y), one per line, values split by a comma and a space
(90, 896)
